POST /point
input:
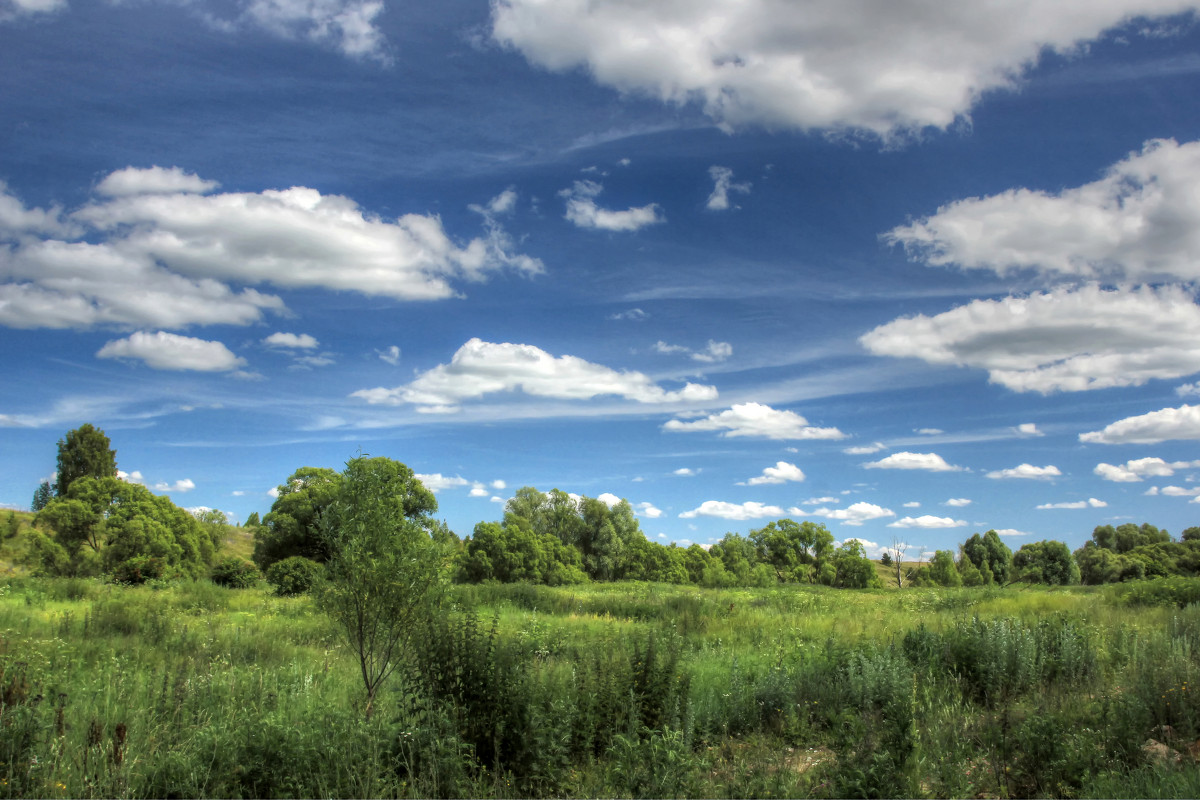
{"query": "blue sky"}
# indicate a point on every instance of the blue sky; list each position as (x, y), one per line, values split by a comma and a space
(909, 271)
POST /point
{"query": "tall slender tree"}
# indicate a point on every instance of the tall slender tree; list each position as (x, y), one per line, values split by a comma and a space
(84, 453)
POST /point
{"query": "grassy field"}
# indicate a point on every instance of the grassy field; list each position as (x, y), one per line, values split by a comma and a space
(643, 690)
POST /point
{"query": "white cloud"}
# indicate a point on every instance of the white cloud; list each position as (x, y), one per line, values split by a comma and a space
(609, 499)
(855, 514)
(1139, 468)
(1089, 503)
(1061, 340)
(499, 484)
(301, 341)
(812, 501)
(735, 511)
(1027, 471)
(633, 315)
(13, 9)
(929, 431)
(1152, 428)
(162, 258)
(1179, 491)
(782, 64)
(153, 180)
(180, 486)
(686, 471)
(583, 211)
(714, 352)
(390, 355)
(273, 492)
(436, 482)
(348, 26)
(958, 502)
(1010, 532)
(912, 504)
(479, 368)
(170, 351)
(131, 477)
(927, 521)
(722, 185)
(865, 450)
(1029, 429)
(478, 490)
(1140, 222)
(648, 510)
(905, 460)
(782, 472)
(755, 420)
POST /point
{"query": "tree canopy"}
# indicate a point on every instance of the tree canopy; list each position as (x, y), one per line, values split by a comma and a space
(84, 453)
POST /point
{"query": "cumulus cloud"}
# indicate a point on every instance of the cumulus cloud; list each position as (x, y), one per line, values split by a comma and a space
(927, 521)
(958, 502)
(782, 472)
(1140, 222)
(1152, 428)
(855, 514)
(1091, 502)
(180, 486)
(928, 431)
(647, 510)
(865, 450)
(1028, 429)
(609, 499)
(722, 185)
(1065, 339)
(348, 26)
(734, 511)
(301, 341)
(813, 65)
(686, 472)
(480, 368)
(391, 355)
(583, 211)
(755, 420)
(1179, 491)
(131, 477)
(1139, 468)
(905, 460)
(436, 481)
(173, 352)
(162, 250)
(1027, 471)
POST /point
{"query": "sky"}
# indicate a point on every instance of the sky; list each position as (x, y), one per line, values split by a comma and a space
(911, 270)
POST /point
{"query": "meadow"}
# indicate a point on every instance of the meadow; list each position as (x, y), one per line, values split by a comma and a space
(188, 689)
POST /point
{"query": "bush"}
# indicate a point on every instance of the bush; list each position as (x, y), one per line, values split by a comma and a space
(293, 575)
(235, 573)
(139, 569)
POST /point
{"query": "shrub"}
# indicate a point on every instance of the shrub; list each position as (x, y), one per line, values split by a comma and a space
(139, 569)
(235, 573)
(293, 575)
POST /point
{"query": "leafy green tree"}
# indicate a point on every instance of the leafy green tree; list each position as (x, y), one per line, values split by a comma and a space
(991, 557)
(942, 569)
(794, 550)
(971, 576)
(252, 521)
(852, 568)
(650, 561)
(294, 575)
(102, 523)
(293, 526)
(1045, 562)
(740, 559)
(1124, 538)
(385, 573)
(84, 453)
(886, 559)
(515, 553)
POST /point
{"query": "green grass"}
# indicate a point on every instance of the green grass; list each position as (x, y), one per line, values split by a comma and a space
(646, 690)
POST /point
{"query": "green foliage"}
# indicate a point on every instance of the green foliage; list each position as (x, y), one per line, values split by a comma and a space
(293, 526)
(252, 521)
(1178, 592)
(84, 453)
(796, 551)
(294, 575)
(235, 573)
(102, 523)
(942, 570)
(852, 568)
(1047, 562)
(510, 553)
(385, 572)
(41, 496)
(990, 556)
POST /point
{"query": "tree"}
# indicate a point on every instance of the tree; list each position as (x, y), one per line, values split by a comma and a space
(794, 550)
(886, 559)
(1048, 562)
(942, 570)
(108, 525)
(852, 568)
(84, 453)
(41, 496)
(384, 572)
(896, 560)
(991, 557)
(293, 526)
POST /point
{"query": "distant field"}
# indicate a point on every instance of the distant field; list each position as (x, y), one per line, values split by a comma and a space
(627, 689)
